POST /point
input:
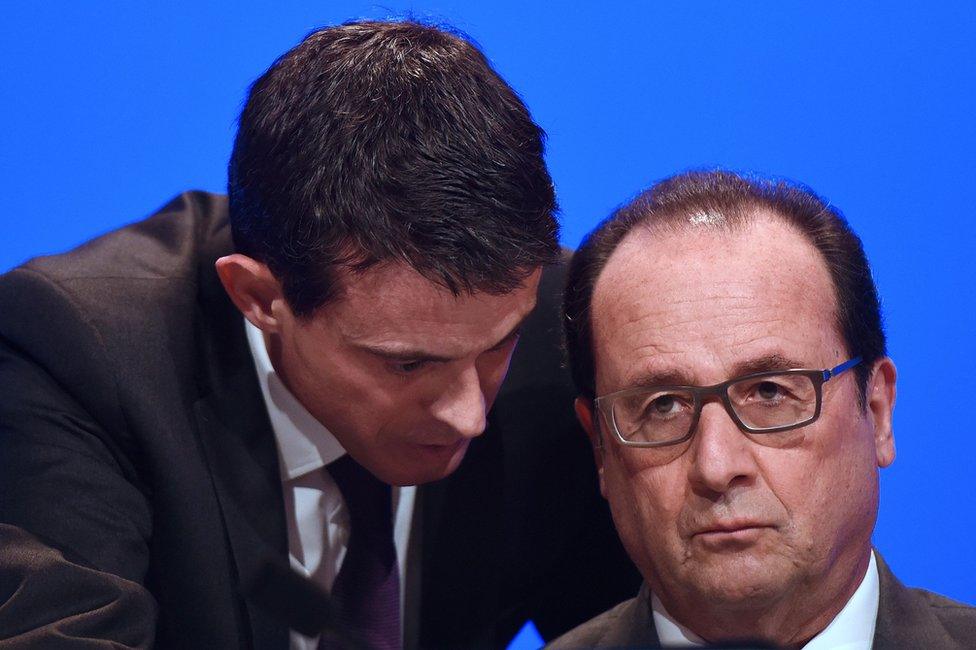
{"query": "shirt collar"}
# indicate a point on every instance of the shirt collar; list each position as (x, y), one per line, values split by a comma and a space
(851, 629)
(304, 444)
(669, 631)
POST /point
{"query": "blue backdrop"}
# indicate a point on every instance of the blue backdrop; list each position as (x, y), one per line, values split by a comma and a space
(108, 109)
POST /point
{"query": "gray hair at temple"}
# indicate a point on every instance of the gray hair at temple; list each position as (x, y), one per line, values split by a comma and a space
(723, 199)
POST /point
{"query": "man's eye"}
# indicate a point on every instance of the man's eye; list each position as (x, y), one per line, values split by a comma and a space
(768, 390)
(407, 367)
(663, 405)
(771, 392)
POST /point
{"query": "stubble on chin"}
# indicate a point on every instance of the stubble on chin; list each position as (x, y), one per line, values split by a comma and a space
(740, 583)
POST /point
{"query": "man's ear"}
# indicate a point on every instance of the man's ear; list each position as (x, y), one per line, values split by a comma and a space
(585, 415)
(253, 289)
(880, 396)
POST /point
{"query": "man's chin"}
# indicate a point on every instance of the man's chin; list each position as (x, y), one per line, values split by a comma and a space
(740, 585)
(425, 463)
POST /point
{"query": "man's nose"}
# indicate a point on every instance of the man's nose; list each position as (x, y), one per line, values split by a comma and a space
(723, 455)
(462, 405)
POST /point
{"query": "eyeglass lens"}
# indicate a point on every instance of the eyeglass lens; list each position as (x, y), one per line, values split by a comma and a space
(766, 402)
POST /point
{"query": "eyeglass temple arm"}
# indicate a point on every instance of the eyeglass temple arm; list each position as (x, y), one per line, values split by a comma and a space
(847, 365)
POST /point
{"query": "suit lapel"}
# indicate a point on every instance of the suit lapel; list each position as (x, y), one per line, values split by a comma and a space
(239, 445)
(240, 451)
(634, 627)
(904, 619)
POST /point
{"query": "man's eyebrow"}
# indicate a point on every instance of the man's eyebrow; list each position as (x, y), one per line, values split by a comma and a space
(402, 354)
(405, 353)
(662, 378)
(673, 377)
(766, 363)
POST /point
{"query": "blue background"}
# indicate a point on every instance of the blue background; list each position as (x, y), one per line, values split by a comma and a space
(108, 109)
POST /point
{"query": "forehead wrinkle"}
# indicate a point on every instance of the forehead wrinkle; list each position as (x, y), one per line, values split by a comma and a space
(665, 320)
(715, 311)
(408, 314)
(737, 344)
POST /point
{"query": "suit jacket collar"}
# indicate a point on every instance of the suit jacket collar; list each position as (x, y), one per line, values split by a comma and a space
(236, 438)
(635, 626)
(902, 623)
(304, 444)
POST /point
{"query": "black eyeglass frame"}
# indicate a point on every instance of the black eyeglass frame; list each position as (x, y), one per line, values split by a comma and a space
(604, 403)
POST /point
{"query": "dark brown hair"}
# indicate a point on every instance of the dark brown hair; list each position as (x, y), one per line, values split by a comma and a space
(729, 200)
(389, 141)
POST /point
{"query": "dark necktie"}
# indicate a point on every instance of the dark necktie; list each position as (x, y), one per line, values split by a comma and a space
(367, 589)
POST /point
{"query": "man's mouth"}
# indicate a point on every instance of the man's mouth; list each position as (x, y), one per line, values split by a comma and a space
(451, 445)
(734, 532)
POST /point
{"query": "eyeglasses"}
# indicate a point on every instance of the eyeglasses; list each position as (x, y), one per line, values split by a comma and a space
(761, 402)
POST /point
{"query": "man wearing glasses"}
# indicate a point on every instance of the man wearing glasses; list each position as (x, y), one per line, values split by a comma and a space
(726, 339)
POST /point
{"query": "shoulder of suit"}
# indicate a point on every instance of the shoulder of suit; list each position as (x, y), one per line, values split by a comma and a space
(162, 245)
(912, 617)
(591, 633)
(89, 317)
(145, 273)
(958, 618)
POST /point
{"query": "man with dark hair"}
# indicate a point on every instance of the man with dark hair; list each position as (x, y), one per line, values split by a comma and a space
(194, 402)
(726, 341)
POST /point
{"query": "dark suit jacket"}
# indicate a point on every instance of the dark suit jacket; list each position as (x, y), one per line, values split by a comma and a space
(135, 443)
(907, 618)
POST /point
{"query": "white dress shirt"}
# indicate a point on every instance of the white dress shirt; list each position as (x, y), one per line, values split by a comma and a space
(318, 522)
(851, 629)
